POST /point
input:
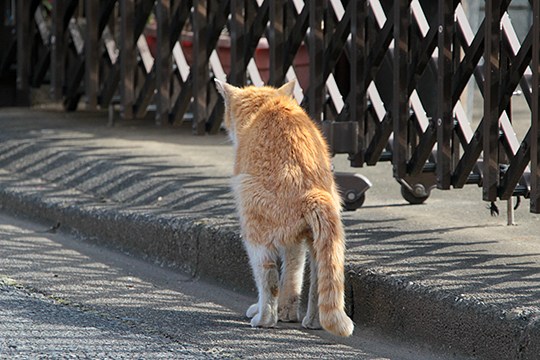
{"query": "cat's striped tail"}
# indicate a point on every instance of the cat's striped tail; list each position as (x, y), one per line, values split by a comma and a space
(323, 216)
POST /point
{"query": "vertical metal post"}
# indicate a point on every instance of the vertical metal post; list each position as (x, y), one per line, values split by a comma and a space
(91, 53)
(491, 99)
(238, 42)
(357, 96)
(200, 65)
(163, 61)
(23, 52)
(276, 42)
(128, 54)
(316, 61)
(510, 218)
(400, 98)
(535, 122)
(444, 95)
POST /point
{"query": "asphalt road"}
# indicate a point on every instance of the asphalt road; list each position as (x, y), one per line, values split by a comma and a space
(62, 297)
(33, 325)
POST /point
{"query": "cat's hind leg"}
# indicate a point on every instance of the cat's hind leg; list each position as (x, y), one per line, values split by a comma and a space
(292, 275)
(265, 271)
(311, 320)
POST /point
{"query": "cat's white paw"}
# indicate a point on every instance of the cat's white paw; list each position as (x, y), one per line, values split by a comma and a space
(268, 321)
(252, 310)
(311, 322)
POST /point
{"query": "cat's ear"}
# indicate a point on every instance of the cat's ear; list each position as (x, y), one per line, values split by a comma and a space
(288, 88)
(226, 90)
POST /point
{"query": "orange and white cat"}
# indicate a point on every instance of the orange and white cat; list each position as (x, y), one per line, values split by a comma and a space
(287, 201)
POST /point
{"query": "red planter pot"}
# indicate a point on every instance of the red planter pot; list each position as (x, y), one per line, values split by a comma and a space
(262, 55)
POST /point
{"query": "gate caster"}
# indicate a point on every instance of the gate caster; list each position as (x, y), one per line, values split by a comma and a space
(416, 194)
(416, 189)
(414, 197)
(352, 189)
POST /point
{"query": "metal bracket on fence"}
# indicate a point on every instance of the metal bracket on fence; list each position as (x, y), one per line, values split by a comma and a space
(342, 136)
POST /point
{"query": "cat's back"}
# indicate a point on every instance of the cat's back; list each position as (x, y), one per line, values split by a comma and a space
(280, 125)
(283, 144)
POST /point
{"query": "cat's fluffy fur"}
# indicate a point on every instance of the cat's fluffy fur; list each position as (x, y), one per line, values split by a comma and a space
(287, 202)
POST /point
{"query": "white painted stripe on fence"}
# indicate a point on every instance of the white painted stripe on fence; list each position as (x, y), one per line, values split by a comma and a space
(219, 73)
(180, 61)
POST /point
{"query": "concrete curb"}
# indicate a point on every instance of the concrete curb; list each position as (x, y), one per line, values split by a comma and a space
(453, 325)
(399, 308)
(193, 246)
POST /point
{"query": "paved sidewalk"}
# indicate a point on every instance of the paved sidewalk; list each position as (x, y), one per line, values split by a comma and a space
(445, 274)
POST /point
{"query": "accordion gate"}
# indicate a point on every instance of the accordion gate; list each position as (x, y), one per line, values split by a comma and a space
(385, 78)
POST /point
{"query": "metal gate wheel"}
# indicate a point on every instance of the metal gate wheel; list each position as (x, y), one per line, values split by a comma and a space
(352, 189)
(418, 195)
(354, 204)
